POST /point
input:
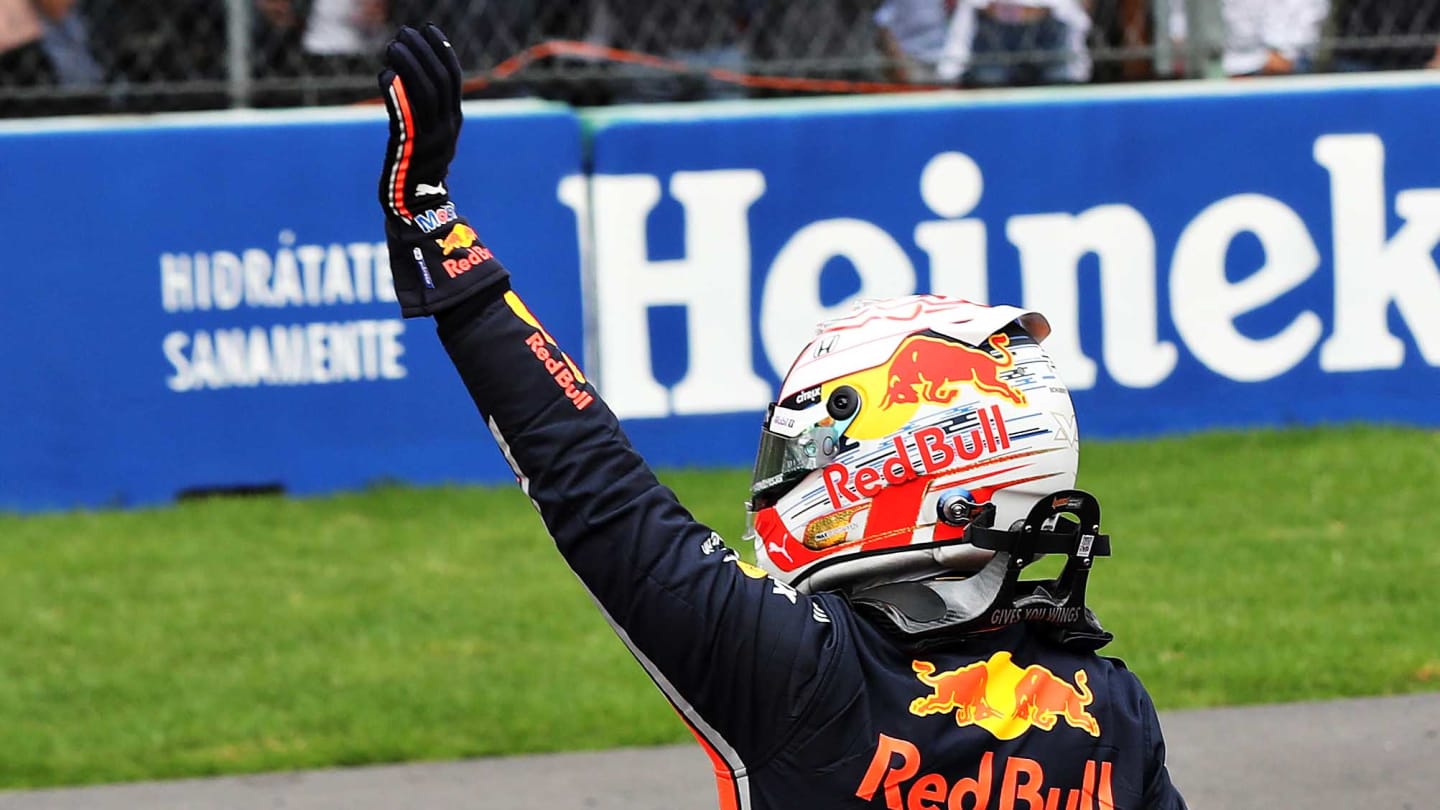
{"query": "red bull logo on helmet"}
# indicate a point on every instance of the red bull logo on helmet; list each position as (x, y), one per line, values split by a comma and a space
(934, 452)
(928, 369)
(932, 369)
(1004, 699)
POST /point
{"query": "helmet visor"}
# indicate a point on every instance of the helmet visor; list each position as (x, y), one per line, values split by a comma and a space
(783, 460)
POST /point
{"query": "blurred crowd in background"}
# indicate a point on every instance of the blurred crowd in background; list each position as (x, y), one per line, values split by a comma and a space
(86, 56)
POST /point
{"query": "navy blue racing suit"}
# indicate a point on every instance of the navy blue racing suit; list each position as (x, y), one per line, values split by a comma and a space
(801, 702)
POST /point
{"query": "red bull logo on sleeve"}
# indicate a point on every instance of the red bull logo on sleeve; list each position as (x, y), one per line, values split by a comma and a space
(460, 237)
(463, 240)
(1004, 699)
(562, 369)
(894, 777)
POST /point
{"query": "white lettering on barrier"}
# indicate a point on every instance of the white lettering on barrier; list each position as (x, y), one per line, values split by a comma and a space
(790, 305)
(951, 185)
(291, 276)
(712, 281)
(1051, 247)
(1371, 273)
(295, 354)
(1205, 305)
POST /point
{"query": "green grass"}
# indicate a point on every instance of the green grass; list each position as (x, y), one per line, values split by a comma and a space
(258, 634)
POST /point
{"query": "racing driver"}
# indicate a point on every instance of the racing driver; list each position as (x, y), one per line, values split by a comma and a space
(885, 652)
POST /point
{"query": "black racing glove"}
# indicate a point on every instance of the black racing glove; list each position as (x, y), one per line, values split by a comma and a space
(436, 258)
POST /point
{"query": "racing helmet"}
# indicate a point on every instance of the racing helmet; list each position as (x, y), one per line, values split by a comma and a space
(900, 425)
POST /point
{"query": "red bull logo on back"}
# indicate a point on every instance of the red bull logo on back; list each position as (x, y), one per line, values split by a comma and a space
(1004, 699)
(1009, 783)
(961, 691)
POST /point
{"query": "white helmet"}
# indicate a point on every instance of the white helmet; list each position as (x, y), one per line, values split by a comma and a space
(899, 425)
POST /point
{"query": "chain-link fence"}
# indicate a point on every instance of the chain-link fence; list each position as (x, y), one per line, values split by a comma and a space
(71, 56)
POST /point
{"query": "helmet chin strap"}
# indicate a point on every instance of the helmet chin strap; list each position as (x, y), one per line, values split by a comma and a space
(939, 609)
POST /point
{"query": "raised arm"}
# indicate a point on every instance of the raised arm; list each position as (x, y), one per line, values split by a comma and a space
(736, 653)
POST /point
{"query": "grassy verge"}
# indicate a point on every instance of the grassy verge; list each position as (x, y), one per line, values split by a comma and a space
(271, 633)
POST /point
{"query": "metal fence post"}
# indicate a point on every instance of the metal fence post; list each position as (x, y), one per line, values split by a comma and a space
(1206, 44)
(237, 42)
(1164, 56)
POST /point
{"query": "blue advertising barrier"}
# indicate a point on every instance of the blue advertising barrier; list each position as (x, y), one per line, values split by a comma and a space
(1252, 255)
(203, 302)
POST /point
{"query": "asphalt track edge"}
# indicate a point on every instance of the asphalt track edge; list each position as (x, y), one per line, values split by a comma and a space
(1370, 753)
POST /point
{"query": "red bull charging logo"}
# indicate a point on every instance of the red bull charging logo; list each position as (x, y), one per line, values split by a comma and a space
(1004, 699)
(460, 237)
(927, 369)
